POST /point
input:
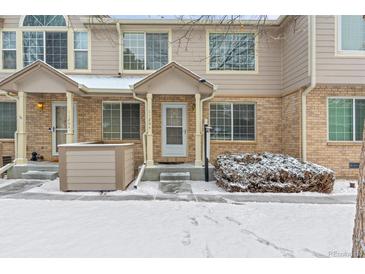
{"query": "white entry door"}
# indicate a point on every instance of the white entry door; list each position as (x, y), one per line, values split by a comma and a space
(59, 125)
(174, 130)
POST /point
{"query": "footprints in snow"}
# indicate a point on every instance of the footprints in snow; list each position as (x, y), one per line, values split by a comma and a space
(194, 221)
(186, 238)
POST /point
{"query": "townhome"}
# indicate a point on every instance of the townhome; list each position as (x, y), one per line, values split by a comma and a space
(292, 85)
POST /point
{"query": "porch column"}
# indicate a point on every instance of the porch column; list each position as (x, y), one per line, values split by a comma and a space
(21, 139)
(149, 131)
(70, 118)
(198, 131)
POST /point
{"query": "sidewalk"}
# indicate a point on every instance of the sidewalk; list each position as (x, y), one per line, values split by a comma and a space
(148, 191)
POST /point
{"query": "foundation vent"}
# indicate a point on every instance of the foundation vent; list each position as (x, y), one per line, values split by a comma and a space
(354, 165)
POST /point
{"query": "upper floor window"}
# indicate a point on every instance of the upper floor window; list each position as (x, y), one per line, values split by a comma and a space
(232, 52)
(7, 120)
(44, 21)
(81, 46)
(49, 46)
(351, 33)
(145, 51)
(9, 50)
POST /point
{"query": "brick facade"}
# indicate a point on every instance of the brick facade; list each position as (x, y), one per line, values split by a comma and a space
(278, 127)
(268, 127)
(334, 155)
(291, 124)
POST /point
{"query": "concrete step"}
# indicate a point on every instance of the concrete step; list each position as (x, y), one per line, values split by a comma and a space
(40, 175)
(174, 176)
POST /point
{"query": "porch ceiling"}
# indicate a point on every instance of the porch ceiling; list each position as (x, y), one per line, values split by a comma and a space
(173, 79)
(40, 77)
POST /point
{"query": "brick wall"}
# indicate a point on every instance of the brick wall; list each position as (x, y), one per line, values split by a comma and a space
(157, 102)
(335, 155)
(291, 124)
(277, 127)
(268, 127)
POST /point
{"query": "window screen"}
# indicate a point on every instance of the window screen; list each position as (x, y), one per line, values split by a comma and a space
(7, 120)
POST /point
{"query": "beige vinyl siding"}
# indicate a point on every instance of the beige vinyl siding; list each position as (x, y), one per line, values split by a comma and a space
(295, 56)
(193, 53)
(105, 50)
(11, 21)
(333, 68)
(190, 51)
(96, 167)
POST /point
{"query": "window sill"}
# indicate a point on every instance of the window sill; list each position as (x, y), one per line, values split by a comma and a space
(7, 140)
(137, 71)
(344, 143)
(108, 141)
(232, 72)
(234, 141)
(350, 53)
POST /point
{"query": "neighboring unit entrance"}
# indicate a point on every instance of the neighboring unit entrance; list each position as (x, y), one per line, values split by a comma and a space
(59, 125)
(174, 130)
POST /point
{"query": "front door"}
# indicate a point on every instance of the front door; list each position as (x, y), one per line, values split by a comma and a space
(59, 125)
(174, 130)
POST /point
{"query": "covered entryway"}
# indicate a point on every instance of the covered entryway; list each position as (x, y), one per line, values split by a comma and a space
(30, 84)
(174, 97)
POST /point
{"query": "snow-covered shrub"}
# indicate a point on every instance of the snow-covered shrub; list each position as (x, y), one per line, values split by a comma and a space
(267, 172)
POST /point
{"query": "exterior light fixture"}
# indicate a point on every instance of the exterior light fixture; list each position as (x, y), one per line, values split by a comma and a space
(40, 105)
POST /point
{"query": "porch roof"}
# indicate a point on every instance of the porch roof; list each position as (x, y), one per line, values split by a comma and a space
(39, 77)
(173, 78)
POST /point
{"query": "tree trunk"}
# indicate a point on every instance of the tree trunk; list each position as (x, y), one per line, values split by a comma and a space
(358, 238)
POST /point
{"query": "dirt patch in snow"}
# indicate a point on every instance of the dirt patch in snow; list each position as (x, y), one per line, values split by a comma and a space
(267, 172)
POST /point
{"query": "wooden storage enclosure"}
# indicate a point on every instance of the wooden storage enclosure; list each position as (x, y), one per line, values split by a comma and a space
(95, 166)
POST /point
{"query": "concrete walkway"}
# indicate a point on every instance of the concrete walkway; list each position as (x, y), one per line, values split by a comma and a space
(17, 190)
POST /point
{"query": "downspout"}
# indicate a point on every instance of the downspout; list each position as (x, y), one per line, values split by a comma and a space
(312, 24)
(144, 134)
(215, 88)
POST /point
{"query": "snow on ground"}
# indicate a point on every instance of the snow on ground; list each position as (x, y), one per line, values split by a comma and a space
(198, 187)
(34, 228)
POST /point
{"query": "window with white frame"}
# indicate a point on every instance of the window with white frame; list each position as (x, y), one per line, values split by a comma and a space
(49, 46)
(9, 49)
(145, 50)
(7, 120)
(44, 21)
(121, 120)
(81, 46)
(232, 121)
(232, 52)
(351, 33)
(346, 119)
